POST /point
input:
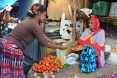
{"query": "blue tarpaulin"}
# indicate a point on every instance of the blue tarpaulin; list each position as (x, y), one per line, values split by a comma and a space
(3, 3)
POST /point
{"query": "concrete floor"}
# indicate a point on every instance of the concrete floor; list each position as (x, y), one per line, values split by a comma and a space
(74, 70)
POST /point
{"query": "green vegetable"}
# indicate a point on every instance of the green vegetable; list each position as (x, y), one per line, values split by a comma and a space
(65, 65)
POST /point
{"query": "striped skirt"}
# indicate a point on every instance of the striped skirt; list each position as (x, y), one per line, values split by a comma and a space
(11, 60)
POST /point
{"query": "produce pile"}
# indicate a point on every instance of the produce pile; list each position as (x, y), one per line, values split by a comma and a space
(77, 48)
(47, 64)
(111, 75)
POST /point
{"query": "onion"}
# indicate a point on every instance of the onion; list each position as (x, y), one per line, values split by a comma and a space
(112, 75)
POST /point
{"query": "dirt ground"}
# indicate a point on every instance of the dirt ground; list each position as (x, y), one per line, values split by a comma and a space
(74, 70)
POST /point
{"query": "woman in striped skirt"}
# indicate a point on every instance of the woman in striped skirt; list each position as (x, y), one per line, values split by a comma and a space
(13, 45)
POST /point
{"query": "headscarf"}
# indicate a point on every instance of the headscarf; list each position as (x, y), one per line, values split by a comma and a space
(96, 24)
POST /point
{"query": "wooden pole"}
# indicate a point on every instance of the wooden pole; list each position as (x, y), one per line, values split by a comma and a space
(74, 21)
(85, 4)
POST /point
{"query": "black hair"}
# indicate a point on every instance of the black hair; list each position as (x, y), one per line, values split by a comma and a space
(41, 9)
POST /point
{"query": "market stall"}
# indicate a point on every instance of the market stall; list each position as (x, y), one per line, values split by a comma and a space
(63, 71)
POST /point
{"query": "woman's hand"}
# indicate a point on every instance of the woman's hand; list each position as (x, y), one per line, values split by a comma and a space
(74, 44)
(62, 47)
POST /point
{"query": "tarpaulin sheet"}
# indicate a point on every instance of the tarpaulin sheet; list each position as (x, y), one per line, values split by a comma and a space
(3, 3)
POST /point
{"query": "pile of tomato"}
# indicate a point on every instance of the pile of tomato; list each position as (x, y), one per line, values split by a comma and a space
(47, 64)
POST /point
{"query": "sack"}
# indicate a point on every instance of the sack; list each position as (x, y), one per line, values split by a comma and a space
(112, 59)
(88, 60)
(100, 8)
(113, 10)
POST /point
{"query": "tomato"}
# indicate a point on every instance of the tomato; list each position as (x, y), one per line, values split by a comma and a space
(48, 64)
(33, 68)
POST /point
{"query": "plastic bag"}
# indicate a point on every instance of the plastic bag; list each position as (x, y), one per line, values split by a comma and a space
(71, 58)
(65, 28)
(100, 8)
(61, 54)
(112, 59)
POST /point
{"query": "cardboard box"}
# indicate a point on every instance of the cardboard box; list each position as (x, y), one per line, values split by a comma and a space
(84, 4)
(80, 4)
(57, 7)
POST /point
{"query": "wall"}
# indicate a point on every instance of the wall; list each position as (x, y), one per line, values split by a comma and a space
(110, 29)
(112, 42)
(110, 32)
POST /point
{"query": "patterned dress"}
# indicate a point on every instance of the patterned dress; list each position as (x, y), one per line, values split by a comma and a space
(11, 60)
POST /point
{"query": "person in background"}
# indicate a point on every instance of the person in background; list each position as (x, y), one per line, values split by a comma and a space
(94, 36)
(1, 23)
(13, 45)
(4, 18)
